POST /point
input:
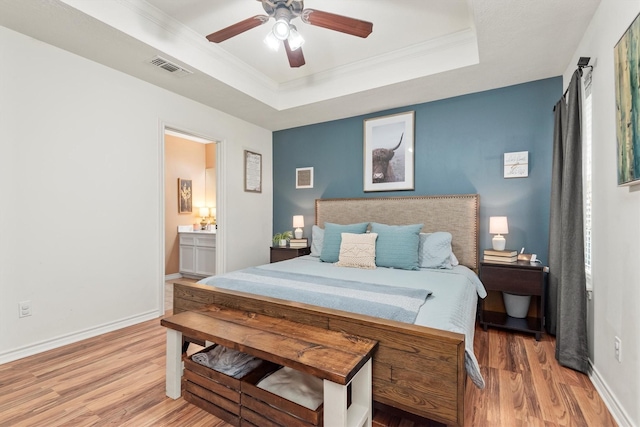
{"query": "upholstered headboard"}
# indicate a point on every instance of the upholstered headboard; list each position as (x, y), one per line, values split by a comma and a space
(457, 214)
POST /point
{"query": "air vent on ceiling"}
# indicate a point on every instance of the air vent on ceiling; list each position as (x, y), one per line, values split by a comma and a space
(169, 66)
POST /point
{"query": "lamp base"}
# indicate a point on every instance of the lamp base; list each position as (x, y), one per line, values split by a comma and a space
(298, 233)
(498, 242)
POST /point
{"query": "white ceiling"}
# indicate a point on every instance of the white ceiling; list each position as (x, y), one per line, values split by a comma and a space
(419, 50)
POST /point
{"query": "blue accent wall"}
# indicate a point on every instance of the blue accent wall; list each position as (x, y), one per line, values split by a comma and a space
(459, 148)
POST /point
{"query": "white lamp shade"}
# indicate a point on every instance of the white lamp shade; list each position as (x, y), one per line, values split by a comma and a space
(498, 225)
(213, 211)
(204, 212)
(281, 29)
(298, 221)
(271, 41)
(295, 39)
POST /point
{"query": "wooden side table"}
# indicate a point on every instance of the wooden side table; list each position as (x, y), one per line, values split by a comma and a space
(281, 253)
(518, 278)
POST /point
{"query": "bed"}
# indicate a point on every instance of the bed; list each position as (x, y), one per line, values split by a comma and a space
(418, 368)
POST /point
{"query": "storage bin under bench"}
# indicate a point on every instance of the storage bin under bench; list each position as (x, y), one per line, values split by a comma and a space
(239, 401)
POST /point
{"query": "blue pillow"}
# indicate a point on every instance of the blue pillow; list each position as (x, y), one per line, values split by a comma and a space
(317, 240)
(397, 245)
(435, 250)
(333, 238)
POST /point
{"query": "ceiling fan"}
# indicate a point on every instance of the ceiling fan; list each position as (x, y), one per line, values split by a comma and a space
(284, 11)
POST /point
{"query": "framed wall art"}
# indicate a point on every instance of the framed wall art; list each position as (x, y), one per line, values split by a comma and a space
(388, 152)
(516, 165)
(185, 196)
(626, 60)
(252, 172)
(304, 177)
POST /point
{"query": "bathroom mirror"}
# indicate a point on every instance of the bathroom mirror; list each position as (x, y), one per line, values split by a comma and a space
(210, 187)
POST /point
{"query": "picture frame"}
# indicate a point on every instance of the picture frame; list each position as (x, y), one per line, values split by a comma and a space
(252, 172)
(388, 152)
(185, 196)
(626, 57)
(304, 178)
(516, 164)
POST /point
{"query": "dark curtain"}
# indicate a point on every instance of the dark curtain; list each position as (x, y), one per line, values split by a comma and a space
(566, 315)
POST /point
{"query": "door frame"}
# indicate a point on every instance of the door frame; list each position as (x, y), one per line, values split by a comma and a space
(220, 202)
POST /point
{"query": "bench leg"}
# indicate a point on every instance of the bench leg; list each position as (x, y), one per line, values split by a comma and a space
(361, 394)
(335, 401)
(335, 404)
(174, 363)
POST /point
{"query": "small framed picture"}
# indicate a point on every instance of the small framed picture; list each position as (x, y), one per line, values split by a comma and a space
(304, 177)
(252, 172)
(388, 152)
(516, 165)
(185, 196)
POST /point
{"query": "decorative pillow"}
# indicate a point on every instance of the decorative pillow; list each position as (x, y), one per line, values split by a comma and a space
(317, 240)
(333, 237)
(397, 245)
(358, 250)
(454, 259)
(435, 250)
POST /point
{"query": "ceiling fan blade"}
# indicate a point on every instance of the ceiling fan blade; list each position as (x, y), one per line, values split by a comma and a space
(296, 57)
(344, 24)
(237, 28)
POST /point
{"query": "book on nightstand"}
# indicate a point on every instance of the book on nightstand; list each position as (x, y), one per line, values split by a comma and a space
(505, 253)
(500, 259)
(506, 256)
(298, 243)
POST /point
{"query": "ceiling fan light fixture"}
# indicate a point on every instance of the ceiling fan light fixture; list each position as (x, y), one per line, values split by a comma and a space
(272, 41)
(281, 29)
(295, 39)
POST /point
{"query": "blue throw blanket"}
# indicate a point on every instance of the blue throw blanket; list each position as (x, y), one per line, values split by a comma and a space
(386, 302)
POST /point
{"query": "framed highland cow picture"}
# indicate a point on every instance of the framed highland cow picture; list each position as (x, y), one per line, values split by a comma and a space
(388, 152)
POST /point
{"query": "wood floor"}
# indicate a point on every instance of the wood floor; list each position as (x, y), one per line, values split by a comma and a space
(118, 379)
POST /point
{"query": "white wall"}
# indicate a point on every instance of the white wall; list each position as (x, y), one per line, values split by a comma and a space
(616, 226)
(81, 210)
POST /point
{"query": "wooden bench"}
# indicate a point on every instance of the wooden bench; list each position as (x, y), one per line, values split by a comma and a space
(339, 359)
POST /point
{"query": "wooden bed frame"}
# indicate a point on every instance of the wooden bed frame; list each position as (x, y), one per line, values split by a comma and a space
(416, 369)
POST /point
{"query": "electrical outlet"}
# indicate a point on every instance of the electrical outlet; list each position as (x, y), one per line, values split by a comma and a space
(618, 349)
(24, 309)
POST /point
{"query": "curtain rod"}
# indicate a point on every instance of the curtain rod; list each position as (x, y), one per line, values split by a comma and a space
(583, 62)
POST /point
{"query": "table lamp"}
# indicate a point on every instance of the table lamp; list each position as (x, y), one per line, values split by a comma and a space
(204, 214)
(213, 215)
(498, 225)
(298, 224)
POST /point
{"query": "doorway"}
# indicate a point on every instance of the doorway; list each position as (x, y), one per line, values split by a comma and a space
(190, 160)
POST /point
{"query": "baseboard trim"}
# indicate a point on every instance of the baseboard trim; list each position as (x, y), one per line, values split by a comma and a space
(172, 276)
(617, 411)
(50, 344)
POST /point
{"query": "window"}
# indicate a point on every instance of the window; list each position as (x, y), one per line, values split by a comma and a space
(587, 114)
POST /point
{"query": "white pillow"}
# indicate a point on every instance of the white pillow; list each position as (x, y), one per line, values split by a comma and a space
(358, 250)
(317, 240)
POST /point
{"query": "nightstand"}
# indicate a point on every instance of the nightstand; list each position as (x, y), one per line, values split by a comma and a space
(518, 278)
(281, 253)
